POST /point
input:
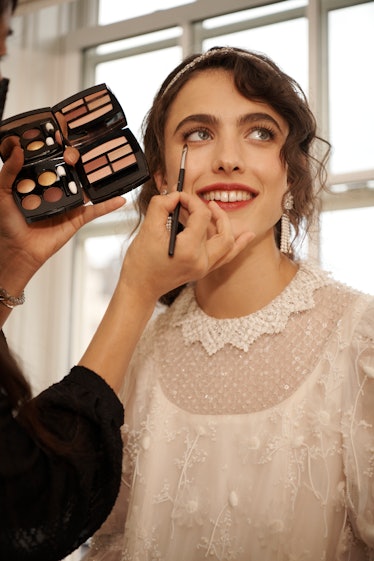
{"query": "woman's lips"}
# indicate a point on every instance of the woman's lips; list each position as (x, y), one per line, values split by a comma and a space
(228, 196)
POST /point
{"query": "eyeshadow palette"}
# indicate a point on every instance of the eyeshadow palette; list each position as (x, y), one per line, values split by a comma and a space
(111, 160)
(46, 185)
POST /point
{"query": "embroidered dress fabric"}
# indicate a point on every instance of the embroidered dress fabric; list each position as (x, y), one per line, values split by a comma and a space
(250, 439)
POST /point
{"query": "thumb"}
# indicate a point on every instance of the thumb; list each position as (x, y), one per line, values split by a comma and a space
(11, 167)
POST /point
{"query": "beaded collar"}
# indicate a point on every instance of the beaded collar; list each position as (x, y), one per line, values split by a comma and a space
(241, 332)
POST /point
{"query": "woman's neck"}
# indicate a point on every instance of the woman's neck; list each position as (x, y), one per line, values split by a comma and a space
(245, 285)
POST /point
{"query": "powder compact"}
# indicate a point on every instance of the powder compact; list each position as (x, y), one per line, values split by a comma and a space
(46, 185)
(111, 161)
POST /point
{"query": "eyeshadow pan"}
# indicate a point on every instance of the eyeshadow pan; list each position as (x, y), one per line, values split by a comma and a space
(31, 202)
(91, 116)
(53, 194)
(82, 110)
(96, 163)
(36, 145)
(47, 178)
(72, 105)
(102, 148)
(124, 163)
(99, 174)
(105, 99)
(25, 185)
(31, 133)
(94, 95)
(122, 151)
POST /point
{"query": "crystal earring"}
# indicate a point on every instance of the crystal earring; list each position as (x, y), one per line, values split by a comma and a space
(285, 245)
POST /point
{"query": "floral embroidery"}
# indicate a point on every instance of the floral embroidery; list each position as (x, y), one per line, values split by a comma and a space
(223, 462)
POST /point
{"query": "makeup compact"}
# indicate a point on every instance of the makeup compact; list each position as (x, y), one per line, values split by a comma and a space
(46, 185)
(111, 160)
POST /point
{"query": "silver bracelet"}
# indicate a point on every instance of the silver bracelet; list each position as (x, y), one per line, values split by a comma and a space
(11, 301)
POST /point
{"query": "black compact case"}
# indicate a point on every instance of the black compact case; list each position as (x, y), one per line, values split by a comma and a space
(46, 185)
(111, 161)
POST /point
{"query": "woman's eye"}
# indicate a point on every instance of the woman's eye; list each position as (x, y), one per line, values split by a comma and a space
(197, 135)
(261, 133)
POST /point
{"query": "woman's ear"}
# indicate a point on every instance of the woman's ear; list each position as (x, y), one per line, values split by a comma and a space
(160, 181)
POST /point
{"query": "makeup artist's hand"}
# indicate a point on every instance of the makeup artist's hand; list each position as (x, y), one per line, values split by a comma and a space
(198, 250)
(24, 247)
(149, 272)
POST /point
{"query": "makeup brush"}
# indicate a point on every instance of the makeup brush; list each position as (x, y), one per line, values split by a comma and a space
(175, 215)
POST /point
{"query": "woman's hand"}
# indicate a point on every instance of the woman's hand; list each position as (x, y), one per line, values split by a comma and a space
(25, 247)
(149, 272)
(198, 251)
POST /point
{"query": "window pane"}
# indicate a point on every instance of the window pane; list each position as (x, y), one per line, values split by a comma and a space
(100, 259)
(253, 13)
(270, 39)
(351, 86)
(138, 41)
(135, 79)
(115, 10)
(344, 246)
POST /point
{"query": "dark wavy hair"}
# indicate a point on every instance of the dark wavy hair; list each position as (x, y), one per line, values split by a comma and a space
(257, 78)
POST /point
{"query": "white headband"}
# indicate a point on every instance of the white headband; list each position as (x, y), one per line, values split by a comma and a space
(212, 52)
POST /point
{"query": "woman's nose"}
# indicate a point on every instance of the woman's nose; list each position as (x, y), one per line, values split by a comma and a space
(228, 158)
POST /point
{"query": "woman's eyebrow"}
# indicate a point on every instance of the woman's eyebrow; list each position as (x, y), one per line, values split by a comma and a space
(248, 118)
(203, 118)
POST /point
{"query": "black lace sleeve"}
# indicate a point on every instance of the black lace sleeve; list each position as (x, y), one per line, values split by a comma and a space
(50, 503)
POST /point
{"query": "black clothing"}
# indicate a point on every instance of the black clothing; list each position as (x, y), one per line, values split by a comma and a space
(50, 502)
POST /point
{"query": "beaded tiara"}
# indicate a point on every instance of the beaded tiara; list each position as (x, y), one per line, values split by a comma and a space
(212, 52)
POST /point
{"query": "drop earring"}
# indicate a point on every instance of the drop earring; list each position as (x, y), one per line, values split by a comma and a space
(285, 245)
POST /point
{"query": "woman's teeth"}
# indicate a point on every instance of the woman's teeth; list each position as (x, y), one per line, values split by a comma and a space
(227, 196)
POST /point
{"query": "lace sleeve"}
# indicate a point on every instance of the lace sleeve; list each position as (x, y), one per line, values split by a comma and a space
(358, 432)
(106, 544)
(54, 497)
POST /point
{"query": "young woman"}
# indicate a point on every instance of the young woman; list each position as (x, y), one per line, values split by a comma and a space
(249, 420)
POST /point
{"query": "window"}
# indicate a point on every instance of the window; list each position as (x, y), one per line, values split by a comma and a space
(112, 10)
(351, 86)
(328, 51)
(348, 217)
(345, 238)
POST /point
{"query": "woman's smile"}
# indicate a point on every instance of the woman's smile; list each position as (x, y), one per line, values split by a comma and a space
(229, 196)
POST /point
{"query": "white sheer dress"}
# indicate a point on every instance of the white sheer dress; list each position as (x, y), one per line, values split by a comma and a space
(250, 439)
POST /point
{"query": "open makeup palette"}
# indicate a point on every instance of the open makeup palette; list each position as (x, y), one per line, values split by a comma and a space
(111, 161)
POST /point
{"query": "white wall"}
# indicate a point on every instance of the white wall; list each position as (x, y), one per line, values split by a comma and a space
(41, 73)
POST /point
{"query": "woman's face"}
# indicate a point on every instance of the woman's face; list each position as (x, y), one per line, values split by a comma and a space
(233, 151)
